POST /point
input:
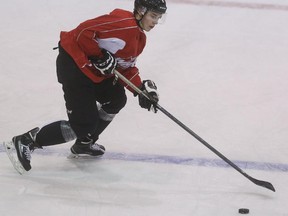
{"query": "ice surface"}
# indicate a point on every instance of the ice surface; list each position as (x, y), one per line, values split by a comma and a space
(221, 68)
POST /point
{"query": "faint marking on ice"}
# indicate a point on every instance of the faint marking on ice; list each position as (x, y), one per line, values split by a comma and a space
(166, 159)
(247, 5)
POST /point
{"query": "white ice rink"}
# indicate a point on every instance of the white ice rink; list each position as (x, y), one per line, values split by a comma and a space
(221, 68)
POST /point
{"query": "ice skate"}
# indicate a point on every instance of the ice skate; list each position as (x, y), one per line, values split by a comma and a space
(24, 145)
(86, 148)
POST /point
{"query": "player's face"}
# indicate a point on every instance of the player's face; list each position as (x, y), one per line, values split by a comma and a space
(150, 19)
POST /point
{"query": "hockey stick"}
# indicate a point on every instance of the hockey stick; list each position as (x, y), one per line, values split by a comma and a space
(265, 184)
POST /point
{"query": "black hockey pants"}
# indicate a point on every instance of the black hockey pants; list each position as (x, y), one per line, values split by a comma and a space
(81, 94)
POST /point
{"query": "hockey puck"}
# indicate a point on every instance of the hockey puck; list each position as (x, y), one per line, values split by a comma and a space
(243, 211)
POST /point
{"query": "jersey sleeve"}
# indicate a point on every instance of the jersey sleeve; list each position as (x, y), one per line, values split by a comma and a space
(86, 40)
(132, 74)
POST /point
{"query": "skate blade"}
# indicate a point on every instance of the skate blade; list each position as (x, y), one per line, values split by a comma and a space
(12, 155)
(82, 156)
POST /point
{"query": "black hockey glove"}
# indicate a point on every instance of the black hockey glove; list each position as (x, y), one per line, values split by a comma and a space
(106, 65)
(150, 89)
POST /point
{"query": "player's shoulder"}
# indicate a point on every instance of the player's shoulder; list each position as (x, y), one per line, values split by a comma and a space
(123, 19)
(123, 16)
(122, 13)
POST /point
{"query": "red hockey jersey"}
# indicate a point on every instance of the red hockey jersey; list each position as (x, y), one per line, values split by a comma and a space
(116, 32)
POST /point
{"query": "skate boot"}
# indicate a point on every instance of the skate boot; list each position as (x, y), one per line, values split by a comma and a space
(24, 145)
(87, 146)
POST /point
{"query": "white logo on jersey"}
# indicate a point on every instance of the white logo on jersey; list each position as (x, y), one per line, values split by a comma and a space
(113, 45)
(126, 63)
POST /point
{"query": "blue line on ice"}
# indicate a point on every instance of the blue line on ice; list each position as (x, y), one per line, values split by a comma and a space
(165, 159)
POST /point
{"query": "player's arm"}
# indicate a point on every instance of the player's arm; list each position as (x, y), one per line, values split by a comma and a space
(147, 86)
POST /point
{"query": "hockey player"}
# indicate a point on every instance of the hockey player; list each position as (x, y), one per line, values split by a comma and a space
(93, 95)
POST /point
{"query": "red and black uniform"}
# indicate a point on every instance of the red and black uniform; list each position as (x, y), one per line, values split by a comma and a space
(83, 85)
(116, 32)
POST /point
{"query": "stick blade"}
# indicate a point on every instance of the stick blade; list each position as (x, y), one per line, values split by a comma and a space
(264, 184)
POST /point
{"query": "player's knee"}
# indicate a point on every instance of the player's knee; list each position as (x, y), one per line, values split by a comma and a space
(122, 102)
(116, 105)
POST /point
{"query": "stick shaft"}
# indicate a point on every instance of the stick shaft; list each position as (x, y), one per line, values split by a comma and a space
(267, 185)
